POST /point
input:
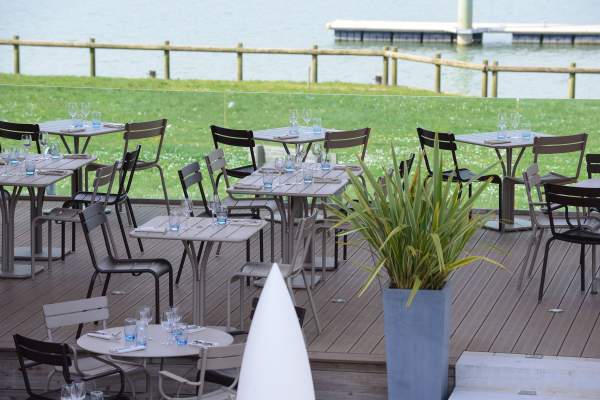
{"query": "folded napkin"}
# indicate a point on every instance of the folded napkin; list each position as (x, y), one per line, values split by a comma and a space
(194, 328)
(342, 167)
(72, 130)
(150, 229)
(129, 349)
(496, 141)
(285, 137)
(248, 222)
(320, 179)
(247, 186)
(102, 335)
(203, 343)
(113, 125)
(268, 169)
(77, 156)
(54, 172)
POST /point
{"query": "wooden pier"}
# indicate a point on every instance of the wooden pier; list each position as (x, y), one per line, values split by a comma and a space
(447, 32)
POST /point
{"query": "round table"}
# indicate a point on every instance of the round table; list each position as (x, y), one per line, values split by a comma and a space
(156, 347)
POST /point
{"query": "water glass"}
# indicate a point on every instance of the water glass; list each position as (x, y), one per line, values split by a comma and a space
(221, 215)
(501, 134)
(326, 163)
(66, 393)
(129, 330)
(78, 391)
(96, 395)
(26, 142)
(289, 165)
(306, 116)
(307, 174)
(54, 151)
(13, 156)
(30, 167)
(268, 180)
(43, 141)
(316, 126)
(317, 150)
(526, 131)
(72, 110)
(85, 111)
(181, 337)
(146, 315)
(174, 220)
(141, 333)
(96, 119)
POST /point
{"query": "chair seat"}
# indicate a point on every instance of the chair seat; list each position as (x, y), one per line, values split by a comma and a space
(261, 270)
(249, 203)
(240, 172)
(157, 266)
(466, 175)
(551, 177)
(579, 235)
(219, 394)
(87, 197)
(60, 214)
(142, 165)
(90, 367)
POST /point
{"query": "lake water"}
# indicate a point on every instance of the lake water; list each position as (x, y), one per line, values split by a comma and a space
(273, 23)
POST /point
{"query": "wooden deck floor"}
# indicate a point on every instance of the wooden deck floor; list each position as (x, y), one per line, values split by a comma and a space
(489, 313)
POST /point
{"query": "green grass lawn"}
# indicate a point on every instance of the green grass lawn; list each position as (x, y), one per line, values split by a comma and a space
(192, 106)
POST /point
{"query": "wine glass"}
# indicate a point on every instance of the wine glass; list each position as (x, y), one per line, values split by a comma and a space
(72, 110)
(66, 393)
(317, 150)
(85, 111)
(214, 205)
(78, 391)
(501, 126)
(43, 141)
(306, 116)
(26, 142)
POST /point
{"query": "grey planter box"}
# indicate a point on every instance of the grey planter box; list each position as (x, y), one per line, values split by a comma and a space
(417, 342)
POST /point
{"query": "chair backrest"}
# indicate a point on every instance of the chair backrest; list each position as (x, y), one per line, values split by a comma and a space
(348, 139)
(564, 196)
(105, 176)
(32, 352)
(560, 145)
(533, 188)
(189, 176)
(303, 240)
(216, 165)
(446, 142)
(14, 131)
(75, 312)
(592, 163)
(234, 137)
(405, 167)
(91, 218)
(127, 170)
(138, 131)
(220, 358)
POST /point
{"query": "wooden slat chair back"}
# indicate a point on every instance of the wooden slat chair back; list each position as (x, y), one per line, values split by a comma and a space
(190, 176)
(405, 166)
(592, 163)
(138, 131)
(348, 139)
(216, 166)
(105, 177)
(446, 141)
(533, 188)
(235, 138)
(561, 145)
(303, 240)
(76, 312)
(127, 169)
(14, 131)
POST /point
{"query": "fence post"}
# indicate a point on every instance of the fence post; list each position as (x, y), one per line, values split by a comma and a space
(495, 80)
(572, 82)
(240, 62)
(394, 67)
(314, 73)
(484, 79)
(92, 57)
(385, 73)
(437, 86)
(167, 60)
(17, 57)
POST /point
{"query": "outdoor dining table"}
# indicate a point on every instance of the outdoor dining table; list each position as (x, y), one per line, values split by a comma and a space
(196, 229)
(304, 135)
(157, 346)
(514, 141)
(55, 170)
(64, 129)
(291, 195)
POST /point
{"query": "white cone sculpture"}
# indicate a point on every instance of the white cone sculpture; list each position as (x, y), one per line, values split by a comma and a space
(275, 363)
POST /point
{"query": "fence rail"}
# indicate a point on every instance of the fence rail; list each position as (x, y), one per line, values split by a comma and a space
(390, 58)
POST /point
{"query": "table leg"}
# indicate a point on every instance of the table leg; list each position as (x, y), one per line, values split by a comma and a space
(199, 278)
(284, 228)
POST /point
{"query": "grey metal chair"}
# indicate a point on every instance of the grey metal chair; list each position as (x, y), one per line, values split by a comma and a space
(218, 358)
(79, 312)
(217, 167)
(93, 217)
(303, 244)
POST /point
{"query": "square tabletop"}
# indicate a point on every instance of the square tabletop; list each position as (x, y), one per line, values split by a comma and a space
(48, 171)
(201, 229)
(292, 184)
(65, 127)
(305, 135)
(490, 139)
(587, 183)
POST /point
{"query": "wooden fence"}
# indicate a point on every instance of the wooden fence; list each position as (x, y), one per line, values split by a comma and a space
(389, 57)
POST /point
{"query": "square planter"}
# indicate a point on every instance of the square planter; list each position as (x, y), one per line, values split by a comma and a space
(417, 343)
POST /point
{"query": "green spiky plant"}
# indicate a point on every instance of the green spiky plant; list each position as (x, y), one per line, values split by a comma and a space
(417, 226)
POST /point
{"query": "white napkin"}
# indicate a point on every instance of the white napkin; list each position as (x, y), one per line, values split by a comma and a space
(248, 222)
(284, 137)
(194, 328)
(72, 130)
(496, 141)
(55, 172)
(320, 179)
(101, 335)
(247, 186)
(150, 229)
(342, 167)
(120, 350)
(76, 156)
(202, 343)
(113, 125)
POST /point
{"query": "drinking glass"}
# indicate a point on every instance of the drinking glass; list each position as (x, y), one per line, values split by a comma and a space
(96, 395)
(214, 205)
(30, 167)
(188, 207)
(306, 116)
(289, 163)
(96, 119)
(129, 330)
(317, 150)
(526, 131)
(26, 142)
(54, 151)
(78, 391)
(85, 111)
(66, 393)
(501, 134)
(175, 219)
(146, 315)
(72, 110)
(43, 141)
(181, 336)
(279, 164)
(307, 174)
(5, 157)
(293, 121)
(222, 214)
(268, 180)
(141, 333)
(316, 125)
(326, 163)
(515, 120)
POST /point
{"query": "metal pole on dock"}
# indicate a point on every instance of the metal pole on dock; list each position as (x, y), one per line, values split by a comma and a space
(240, 62)
(464, 35)
(495, 80)
(167, 60)
(395, 67)
(484, 79)
(92, 57)
(314, 78)
(437, 85)
(385, 73)
(572, 82)
(17, 57)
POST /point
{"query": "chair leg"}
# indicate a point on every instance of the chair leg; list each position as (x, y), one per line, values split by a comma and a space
(311, 300)
(543, 277)
(218, 252)
(335, 249)
(532, 240)
(345, 248)
(63, 240)
(261, 250)
(105, 287)
(593, 275)
(156, 299)
(33, 243)
(164, 187)
(72, 236)
(130, 208)
(49, 246)
(272, 238)
(228, 304)
(171, 289)
(582, 266)
(181, 264)
(123, 234)
(89, 294)
(500, 222)
(248, 250)
(535, 252)
(242, 295)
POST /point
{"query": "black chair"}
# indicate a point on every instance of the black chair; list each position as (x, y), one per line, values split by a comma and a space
(236, 138)
(189, 176)
(446, 142)
(582, 230)
(31, 353)
(93, 217)
(592, 164)
(14, 131)
(121, 197)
